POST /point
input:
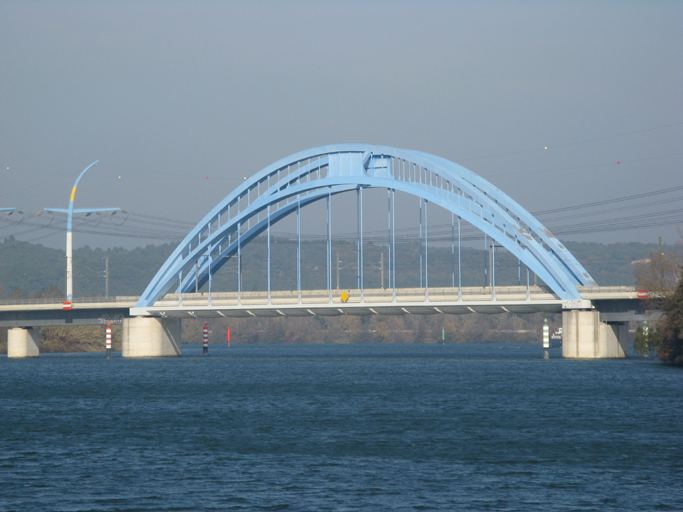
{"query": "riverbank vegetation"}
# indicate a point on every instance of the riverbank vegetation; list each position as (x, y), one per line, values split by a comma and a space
(82, 338)
(504, 328)
(662, 276)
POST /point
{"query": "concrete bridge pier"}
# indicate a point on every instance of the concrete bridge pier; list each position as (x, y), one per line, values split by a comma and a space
(584, 336)
(23, 342)
(151, 337)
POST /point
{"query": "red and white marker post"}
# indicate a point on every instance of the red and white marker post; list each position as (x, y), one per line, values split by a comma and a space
(108, 340)
(228, 336)
(206, 339)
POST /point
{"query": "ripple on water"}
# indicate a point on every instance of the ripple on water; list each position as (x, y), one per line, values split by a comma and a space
(343, 427)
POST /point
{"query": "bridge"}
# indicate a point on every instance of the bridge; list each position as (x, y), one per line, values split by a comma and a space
(593, 317)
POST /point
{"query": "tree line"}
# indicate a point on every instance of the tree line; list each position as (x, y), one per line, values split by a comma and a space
(662, 276)
(34, 271)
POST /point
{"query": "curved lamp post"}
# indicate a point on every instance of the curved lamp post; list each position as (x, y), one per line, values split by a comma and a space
(69, 233)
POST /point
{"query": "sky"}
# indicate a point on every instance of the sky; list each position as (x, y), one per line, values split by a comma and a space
(180, 100)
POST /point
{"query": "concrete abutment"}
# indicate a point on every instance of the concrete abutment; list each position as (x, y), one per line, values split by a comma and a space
(23, 342)
(584, 336)
(151, 337)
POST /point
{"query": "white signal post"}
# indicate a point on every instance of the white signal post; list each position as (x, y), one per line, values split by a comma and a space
(108, 340)
(69, 233)
(206, 339)
(546, 339)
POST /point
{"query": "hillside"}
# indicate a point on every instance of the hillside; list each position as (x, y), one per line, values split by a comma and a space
(30, 270)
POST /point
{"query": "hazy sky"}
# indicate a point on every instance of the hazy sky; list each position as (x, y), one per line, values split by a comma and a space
(166, 94)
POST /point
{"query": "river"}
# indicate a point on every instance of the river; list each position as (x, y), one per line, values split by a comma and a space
(341, 427)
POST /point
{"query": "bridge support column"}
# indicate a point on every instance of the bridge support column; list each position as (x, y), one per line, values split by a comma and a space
(151, 337)
(23, 342)
(584, 336)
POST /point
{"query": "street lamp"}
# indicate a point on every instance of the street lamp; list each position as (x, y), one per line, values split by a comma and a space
(69, 234)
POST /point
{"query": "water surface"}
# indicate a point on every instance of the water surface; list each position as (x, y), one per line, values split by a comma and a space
(340, 427)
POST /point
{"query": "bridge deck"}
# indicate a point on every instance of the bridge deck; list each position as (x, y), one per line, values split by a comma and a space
(513, 299)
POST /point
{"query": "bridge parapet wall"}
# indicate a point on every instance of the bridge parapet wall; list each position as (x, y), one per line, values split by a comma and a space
(607, 292)
(77, 303)
(376, 296)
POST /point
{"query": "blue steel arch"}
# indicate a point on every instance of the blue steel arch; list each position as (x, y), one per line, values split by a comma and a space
(318, 173)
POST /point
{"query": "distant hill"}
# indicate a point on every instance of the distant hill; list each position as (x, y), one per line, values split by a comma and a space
(30, 270)
(27, 270)
(611, 264)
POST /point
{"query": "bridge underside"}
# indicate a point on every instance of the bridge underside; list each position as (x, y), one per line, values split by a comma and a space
(58, 318)
(365, 309)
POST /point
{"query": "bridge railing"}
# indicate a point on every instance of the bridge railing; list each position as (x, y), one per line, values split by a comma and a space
(608, 292)
(606, 289)
(355, 296)
(76, 300)
(320, 296)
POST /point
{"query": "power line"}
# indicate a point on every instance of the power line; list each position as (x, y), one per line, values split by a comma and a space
(143, 226)
(610, 201)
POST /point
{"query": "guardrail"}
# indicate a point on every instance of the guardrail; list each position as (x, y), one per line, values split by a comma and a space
(375, 295)
(77, 300)
(354, 294)
(606, 289)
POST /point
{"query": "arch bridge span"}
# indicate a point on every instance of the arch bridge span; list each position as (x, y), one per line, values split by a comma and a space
(287, 186)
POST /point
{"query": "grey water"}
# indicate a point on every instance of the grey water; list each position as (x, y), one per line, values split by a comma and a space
(341, 427)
